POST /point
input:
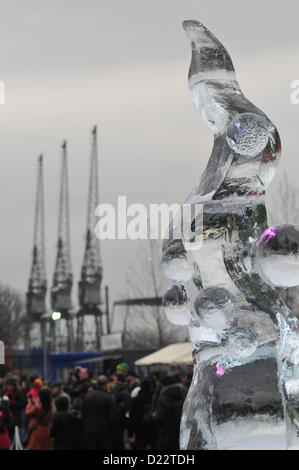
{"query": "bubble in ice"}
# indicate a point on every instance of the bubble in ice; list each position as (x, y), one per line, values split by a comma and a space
(175, 303)
(248, 134)
(177, 263)
(241, 342)
(215, 306)
(278, 255)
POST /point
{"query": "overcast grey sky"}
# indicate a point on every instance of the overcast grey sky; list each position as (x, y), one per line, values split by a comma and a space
(122, 65)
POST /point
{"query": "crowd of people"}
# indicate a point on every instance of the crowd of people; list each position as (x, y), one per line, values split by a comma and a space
(89, 412)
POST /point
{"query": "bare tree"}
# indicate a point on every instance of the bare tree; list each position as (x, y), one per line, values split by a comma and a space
(12, 318)
(146, 326)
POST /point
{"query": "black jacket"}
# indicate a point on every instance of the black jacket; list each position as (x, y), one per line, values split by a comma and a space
(18, 402)
(66, 431)
(168, 416)
(141, 421)
(79, 390)
(97, 413)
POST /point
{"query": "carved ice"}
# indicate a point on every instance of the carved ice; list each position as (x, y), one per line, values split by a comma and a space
(278, 255)
(245, 388)
(175, 303)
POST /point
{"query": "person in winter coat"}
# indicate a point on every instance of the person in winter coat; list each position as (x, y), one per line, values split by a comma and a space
(168, 413)
(60, 423)
(32, 395)
(98, 413)
(4, 424)
(17, 404)
(75, 429)
(24, 389)
(142, 427)
(79, 388)
(133, 383)
(56, 391)
(40, 418)
(67, 426)
(122, 401)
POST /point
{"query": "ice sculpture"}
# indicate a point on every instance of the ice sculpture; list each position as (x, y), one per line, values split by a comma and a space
(245, 340)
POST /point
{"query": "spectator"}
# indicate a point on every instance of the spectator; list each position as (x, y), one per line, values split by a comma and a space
(122, 401)
(60, 424)
(79, 390)
(4, 423)
(122, 368)
(182, 378)
(40, 417)
(133, 383)
(168, 414)
(24, 389)
(142, 427)
(17, 403)
(98, 413)
(56, 391)
(75, 430)
(33, 392)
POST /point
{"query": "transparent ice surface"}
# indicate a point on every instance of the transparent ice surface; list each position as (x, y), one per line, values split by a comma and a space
(245, 341)
(278, 255)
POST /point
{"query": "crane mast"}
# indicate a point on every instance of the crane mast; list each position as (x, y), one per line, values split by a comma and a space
(62, 278)
(91, 272)
(37, 287)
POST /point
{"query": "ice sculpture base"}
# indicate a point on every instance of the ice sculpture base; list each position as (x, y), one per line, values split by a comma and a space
(252, 435)
(235, 408)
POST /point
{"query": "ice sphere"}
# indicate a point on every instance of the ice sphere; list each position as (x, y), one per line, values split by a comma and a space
(215, 306)
(248, 134)
(241, 342)
(175, 303)
(214, 298)
(177, 263)
(278, 255)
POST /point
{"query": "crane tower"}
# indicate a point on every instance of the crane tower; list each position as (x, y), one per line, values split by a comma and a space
(63, 278)
(37, 287)
(91, 272)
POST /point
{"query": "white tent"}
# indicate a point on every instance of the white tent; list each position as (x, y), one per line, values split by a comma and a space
(174, 354)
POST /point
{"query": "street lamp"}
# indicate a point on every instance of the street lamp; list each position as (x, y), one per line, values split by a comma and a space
(56, 316)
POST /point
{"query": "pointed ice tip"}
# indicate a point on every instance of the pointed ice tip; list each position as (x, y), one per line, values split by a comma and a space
(192, 27)
(94, 130)
(40, 158)
(192, 24)
(64, 145)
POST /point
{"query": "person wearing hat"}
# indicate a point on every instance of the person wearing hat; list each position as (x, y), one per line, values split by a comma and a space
(122, 367)
(32, 395)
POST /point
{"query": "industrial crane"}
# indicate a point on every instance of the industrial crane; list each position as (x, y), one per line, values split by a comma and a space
(91, 272)
(37, 287)
(61, 302)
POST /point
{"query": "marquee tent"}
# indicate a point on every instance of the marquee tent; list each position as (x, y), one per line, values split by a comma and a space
(177, 354)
